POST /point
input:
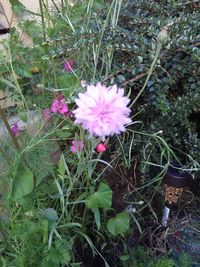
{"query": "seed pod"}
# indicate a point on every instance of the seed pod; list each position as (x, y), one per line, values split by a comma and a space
(163, 35)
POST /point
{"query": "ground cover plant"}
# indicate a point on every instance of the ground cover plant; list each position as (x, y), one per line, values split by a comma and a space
(109, 96)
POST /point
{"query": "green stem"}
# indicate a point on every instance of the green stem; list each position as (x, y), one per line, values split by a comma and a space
(15, 80)
(42, 17)
(100, 40)
(14, 139)
(62, 6)
(149, 73)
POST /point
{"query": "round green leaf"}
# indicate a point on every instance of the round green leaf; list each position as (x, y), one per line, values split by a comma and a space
(119, 224)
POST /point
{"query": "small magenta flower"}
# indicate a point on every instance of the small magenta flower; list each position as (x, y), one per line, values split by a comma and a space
(46, 114)
(59, 106)
(102, 110)
(15, 129)
(69, 65)
(76, 146)
(101, 148)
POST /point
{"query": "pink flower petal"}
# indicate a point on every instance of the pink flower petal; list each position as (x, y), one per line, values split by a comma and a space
(102, 110)
(55, 105)
(60, 106)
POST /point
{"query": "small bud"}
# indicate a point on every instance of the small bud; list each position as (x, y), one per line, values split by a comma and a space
(15, 129)
(50, 215)
(101, 148)
(159, 132)
(163, 35)
(35, 70)
(133, 210)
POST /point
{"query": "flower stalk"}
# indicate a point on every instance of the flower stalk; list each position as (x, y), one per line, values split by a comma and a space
(162, 37)
(42, 18)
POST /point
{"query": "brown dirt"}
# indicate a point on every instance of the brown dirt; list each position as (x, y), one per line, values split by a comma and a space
(121, 182)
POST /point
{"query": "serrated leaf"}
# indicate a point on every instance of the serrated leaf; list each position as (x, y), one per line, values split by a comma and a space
(119, 224)
(100, 199)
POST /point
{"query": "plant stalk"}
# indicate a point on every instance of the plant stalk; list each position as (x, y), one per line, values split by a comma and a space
(42, 17)
(14, 139)
(149, 73)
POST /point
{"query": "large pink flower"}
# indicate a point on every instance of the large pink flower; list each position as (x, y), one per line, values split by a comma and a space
(102, 110)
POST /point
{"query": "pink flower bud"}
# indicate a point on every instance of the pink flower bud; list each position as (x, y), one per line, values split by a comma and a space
(101, 148)
(15, 129)
(69, 65)
(76, 146)
(163, 35)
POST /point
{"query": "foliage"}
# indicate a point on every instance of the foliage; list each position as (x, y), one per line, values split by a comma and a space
(102, 198)
(61, 212)
(141, 256)
(119, 224)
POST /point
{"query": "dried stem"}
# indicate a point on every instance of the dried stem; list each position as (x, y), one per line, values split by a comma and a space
(14, 139)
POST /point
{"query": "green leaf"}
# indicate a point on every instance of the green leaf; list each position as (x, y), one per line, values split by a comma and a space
(23, 183)
(23, 116)
(100, 199)
(97, 217)
(49, 264)
(23, 71)
(99, 5)
(125, 257)
(67, 80)
(61, 166)
(119, 224)
(63, 135)
(17, 7)
(30, 27)
(8, 83)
